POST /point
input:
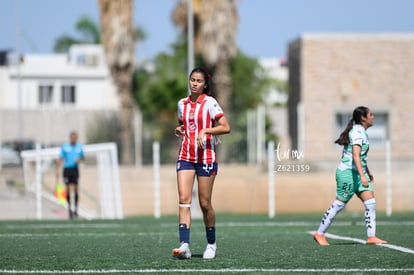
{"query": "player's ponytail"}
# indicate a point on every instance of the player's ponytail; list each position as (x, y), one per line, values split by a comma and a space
(344, 137)
(358, 113)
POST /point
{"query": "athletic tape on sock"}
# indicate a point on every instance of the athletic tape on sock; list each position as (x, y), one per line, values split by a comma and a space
(184, 205)
(370, 201)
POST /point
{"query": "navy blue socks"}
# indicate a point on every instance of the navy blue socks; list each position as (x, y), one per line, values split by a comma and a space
(211, 234)
(184, 233)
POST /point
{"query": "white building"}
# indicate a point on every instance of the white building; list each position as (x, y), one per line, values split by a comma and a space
(276, 100)
(49, 95)
(275, 68)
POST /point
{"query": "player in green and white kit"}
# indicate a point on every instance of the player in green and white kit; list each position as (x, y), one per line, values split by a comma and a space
(353, 176)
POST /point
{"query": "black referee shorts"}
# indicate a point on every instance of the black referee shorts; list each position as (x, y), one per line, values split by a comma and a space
(71, 175)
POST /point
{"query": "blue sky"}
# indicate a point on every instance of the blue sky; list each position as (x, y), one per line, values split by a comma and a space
(265, 26)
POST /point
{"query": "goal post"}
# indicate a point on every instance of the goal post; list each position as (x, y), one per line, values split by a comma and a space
(99, 182)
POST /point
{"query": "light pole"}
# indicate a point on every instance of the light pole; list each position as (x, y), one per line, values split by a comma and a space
(18, 76)
(195, 211)
(190, 37)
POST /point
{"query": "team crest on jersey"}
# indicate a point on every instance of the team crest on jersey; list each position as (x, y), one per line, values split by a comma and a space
(192, 126)
(191, 116)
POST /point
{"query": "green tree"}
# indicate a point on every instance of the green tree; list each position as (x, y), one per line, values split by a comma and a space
(88, 32)
(158, 91)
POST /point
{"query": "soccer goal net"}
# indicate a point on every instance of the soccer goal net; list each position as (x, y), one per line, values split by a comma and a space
(99, 185)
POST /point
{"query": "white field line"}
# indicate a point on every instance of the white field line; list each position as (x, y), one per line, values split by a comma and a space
(66, 225)
(109, 234)
(391, 246)
(219, 224)
(337, 223)
(225, 270)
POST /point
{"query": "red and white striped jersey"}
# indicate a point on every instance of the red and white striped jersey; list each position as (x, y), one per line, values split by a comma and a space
(195, 116)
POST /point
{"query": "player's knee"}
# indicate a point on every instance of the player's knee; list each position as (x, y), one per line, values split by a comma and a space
(205, 206)
(185, 199)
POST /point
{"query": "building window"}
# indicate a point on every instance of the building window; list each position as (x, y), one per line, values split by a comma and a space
(378, 133)
(88, 60)
(68, 94)
(81, 59)
(45, 94)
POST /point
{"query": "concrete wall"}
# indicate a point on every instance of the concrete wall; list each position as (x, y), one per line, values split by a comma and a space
(238, 189)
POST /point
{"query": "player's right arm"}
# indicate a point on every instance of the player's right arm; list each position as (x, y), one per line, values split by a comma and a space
(179, 130)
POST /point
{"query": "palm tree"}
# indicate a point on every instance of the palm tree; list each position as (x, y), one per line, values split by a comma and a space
(117, 37)
(215, 27)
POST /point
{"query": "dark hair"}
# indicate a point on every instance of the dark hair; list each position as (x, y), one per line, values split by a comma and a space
(207, 77)
(359, 112)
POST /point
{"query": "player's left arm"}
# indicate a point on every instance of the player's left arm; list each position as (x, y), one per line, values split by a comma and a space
(81, 156)
(59, 163)
(371, 177)
(222, 127)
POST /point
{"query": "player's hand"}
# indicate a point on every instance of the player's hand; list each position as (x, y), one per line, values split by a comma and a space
(364, 181)
(179, 131)
(200, 138)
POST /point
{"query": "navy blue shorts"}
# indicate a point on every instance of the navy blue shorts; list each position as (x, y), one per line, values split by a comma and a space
(201, 169)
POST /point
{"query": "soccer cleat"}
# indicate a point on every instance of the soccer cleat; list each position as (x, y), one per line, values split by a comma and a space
(320, 239)
(210, 252)
(183, 252)
(375, 240)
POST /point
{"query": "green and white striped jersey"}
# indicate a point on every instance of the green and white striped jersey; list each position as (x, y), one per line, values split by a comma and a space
(357, 136)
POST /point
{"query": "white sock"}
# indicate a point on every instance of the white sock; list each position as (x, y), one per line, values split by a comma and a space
(330, 215)
(370, 216)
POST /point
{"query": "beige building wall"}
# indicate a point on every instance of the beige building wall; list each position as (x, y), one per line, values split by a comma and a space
(336, 73)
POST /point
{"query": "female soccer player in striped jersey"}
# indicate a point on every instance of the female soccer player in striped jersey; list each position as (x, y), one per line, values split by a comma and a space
(353, 176)
(200, 118)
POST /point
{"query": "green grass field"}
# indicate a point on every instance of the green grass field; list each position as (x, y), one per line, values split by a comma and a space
(247, 244)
